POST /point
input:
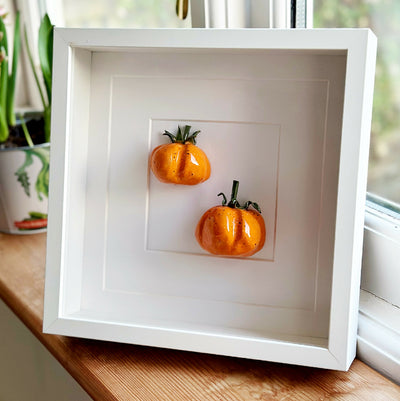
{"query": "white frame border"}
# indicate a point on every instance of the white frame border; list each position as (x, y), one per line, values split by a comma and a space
(360, 46)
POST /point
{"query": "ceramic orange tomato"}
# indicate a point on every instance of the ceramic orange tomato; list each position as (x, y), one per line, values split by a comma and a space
(181, 161)
(231, 229)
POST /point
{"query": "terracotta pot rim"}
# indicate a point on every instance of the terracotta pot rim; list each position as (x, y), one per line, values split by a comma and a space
(40, 145)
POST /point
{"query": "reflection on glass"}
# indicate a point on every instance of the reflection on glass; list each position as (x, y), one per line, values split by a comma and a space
(123, 14)
(383, 17)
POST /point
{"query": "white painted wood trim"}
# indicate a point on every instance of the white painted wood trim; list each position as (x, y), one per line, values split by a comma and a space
(276, 351)
(345, 297)
(381, 272)
(379, 335)
(57, 190)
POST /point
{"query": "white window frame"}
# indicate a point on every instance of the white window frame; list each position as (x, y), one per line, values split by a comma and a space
(379, 316)
(241, 13)
(379, 319)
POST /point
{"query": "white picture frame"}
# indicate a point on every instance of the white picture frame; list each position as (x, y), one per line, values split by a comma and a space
(116, 271)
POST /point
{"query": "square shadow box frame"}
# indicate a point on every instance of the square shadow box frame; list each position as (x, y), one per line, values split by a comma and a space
(286, 113)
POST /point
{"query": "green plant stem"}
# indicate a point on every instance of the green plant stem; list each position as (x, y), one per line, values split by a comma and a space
(4, 131)
(3, 84)
(26, 132)
(45, 105)
(13, 76)
(47, 123)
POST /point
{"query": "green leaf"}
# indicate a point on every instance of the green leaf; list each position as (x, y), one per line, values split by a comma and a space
(3, 84)
(183, 137)
(4, 131)
(171, 137)
(186, 133)
(3, 41)
(45, 42)
(13, 76)
(192, 137)
(48, 75)
(179, 137)
(254, 204)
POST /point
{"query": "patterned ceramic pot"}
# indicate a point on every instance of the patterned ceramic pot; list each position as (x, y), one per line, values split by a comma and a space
(24, 189)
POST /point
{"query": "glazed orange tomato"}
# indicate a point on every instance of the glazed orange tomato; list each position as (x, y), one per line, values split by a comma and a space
(232, 230)
(181, 161)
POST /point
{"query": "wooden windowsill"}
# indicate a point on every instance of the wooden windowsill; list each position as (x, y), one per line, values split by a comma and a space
(110, 371)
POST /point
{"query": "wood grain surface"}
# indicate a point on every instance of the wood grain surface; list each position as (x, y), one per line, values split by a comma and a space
(110, 371)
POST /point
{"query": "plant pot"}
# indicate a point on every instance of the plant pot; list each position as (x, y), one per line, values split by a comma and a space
(24, 180)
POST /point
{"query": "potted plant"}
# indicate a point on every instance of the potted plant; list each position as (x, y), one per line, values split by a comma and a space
(24, 140)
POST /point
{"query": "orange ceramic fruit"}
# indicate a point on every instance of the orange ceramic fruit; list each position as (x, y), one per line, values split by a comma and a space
(232, 230)
(181, 161)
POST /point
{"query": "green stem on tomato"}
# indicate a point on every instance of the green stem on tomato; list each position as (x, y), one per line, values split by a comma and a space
(235, 188)
(233, 203)
(223, 198)
(184, 137)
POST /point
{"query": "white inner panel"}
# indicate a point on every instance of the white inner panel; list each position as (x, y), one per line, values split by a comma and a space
(137, 261)
(231, 150)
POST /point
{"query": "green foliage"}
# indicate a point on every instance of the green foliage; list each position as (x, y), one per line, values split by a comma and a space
(4, 132)
(123, 14)
(8, 79)
(45, 48)
(383, 17)
(183, 137)
(12, 79)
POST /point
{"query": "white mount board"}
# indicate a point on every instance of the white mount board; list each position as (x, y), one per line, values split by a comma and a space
(284, 112)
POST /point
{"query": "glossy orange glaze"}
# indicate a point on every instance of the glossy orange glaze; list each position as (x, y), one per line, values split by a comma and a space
(227, 231)
(178, 163)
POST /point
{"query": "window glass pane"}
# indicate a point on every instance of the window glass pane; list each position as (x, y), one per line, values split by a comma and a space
(122, 14)
(383, 17)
